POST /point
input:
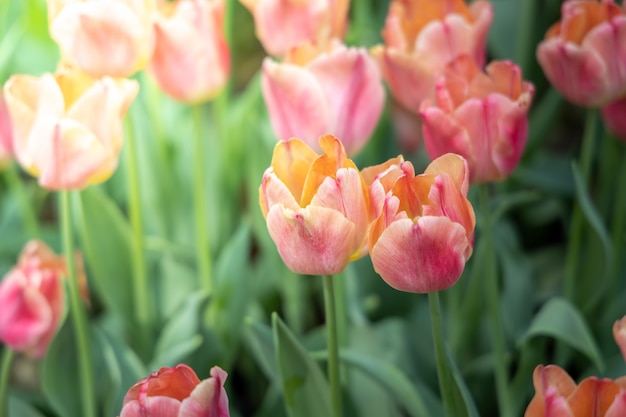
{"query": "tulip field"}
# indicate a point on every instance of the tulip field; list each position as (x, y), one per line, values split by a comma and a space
(313, 208)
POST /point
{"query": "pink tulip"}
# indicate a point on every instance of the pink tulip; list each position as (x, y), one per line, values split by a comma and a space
(67, 126)
(584, 55)
(482, 117)
(191, 61)
(103, 37)
(422, 37)
(6, 134)
(177, 392)
(619, 334)
(424, 234)
(316, 92)
(316, 207)
(283, 24)
(614, 116)
(33, 300)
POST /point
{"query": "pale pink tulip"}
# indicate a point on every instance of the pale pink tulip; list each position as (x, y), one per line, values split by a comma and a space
(424, 234)
(103, 37)
(283, 24)
(67, 126)
(316, 207)
(480, 116)
(584, 55)
(177, 392)
(619, 334)
(316, 92)
(6, 134)
(32, 299)
(422, 37)
(614, 116)
(191, 61)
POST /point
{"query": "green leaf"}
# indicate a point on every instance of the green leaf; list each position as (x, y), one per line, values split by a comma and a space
(19, 408)
(305, 390)
(260, 341)
(560, 319)
(462, 393)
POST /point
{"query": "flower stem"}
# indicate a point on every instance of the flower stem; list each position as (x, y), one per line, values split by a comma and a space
(5, 368)
(577, 224)
(28, 213)
(445, 383)
(619, 217)
(333, 345)
(203, 250)
(79, 317)
(497, 328)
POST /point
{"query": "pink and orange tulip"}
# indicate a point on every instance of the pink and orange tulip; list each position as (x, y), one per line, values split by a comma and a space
(283, 24)
(557, 395)
(316, 206)
(103, 38)
(67, 126)
(425, 231)
(480, 116)
(584, 54)
(614, 118)
(6, 134)
(316, 92)
(422, 37)
(191, 60)
(619, 334)
(177, 392)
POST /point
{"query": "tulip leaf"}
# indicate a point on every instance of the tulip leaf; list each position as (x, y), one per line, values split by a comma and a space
(461, 392)
(19, 408)
(305, 389)
(558, 318)
(260, 340)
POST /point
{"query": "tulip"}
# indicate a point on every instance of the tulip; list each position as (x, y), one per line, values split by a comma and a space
(316, 92)
(67, 126)
(177, 392)
(619, 334)
(316, 206)
(6, 134)
(557, 395)
(33, 300)
(283, 24)
(424, 234)
(191, 61)
(103, 37)
(613, 116)
(584, 55)
(482, 117)
(422, 37)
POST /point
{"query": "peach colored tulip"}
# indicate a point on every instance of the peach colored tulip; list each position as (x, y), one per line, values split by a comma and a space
(33, 300)
(614, 116)
(316, 206)
(6, 134)
(177, 392)
(584, 55)
(424, 234)
(422, 37)
(103, 37)
(557, 395)
(482, 117)
(316, 92)
(191, 61)
(619, 334)
(283, 24)
(67, 126)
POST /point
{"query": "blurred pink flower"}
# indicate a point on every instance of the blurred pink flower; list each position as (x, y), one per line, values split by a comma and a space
(619, 334)
(177, 392)
(425, 231)
(614, 116)
(67, 126)
(191, 61)
(422, 37)
(103, 37)
(480, 116)
(283, 24)
(407, 127)
(584, 54)
(6, 134)
(316, 92)
(33, 300)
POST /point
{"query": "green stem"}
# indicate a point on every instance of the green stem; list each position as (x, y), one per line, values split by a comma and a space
(333, 345)
(203, 250)
(493, 305)
(577, 224)
(619, 217)
(445, 381)
(79, 316)
(29, 217)
(525, 34)
(5, 372)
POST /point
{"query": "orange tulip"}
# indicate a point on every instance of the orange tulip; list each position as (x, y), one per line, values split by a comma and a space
(67, 126)
(584, 55)
(316, 207)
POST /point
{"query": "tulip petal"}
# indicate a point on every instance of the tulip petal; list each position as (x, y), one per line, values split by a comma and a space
(421, 257)
(208, 399)
(274, 191)
(455, 167)
(618, 408)
(619, 334)
(593, 397)
(153, 407)
(291, 163)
